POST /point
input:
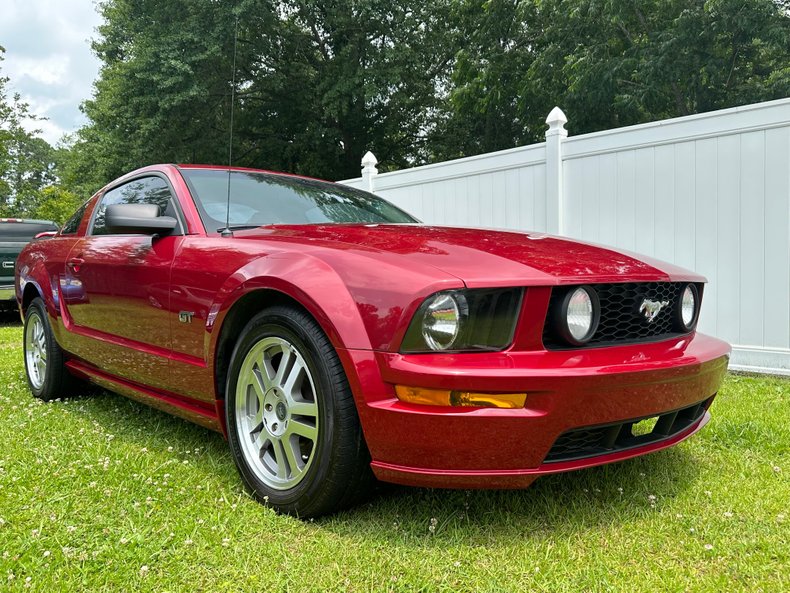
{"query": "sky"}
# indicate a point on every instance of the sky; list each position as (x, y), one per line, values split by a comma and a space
(49, 60)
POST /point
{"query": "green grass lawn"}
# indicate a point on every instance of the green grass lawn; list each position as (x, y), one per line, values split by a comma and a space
(100, 493)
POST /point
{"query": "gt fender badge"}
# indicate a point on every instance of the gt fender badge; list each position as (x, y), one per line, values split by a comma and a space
(186, 316)
(651, 309)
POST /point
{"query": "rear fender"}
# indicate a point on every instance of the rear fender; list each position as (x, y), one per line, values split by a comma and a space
(35, 276)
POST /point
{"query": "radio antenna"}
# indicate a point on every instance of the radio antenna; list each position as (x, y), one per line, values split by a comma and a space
(226, 232)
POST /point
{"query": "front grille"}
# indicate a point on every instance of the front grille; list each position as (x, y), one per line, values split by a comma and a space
(621, 321)
(599, 440)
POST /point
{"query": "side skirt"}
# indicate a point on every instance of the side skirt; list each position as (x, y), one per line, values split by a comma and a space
(193, 410)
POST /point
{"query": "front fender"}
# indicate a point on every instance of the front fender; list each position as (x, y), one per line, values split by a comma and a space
(305, 278)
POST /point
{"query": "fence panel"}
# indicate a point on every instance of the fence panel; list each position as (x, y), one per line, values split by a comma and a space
(709, 192)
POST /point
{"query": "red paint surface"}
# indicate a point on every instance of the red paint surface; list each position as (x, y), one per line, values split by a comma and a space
(115, 309)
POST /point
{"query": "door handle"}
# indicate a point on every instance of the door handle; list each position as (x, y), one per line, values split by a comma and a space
(75, 263)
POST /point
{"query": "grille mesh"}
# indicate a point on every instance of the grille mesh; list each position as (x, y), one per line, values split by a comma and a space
(621, 321)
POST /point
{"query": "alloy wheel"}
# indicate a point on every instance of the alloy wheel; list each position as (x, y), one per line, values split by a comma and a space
(36, 351)
(277, 413)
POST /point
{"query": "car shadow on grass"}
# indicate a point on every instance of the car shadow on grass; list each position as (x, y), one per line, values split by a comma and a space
(394, 515)
(559, 503)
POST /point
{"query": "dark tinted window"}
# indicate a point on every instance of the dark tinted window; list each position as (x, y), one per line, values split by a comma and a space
(258, 199)
(146, 190)
(73, 224)
(15, 232)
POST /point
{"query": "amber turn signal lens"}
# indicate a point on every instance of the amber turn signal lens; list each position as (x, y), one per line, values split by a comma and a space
(446, 397)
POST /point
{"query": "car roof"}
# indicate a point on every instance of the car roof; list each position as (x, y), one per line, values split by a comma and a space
(249, 170)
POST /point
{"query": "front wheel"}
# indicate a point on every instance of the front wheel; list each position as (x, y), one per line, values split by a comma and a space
(293, 428)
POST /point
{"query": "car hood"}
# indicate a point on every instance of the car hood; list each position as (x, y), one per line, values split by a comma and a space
(482, 257)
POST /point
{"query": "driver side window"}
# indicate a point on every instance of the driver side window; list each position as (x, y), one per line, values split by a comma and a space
(145, 190)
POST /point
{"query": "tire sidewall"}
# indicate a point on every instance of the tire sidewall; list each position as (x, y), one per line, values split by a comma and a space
(279, 324)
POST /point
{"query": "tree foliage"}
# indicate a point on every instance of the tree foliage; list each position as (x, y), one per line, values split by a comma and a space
(608, 63)
(27, 162)
(318, 83)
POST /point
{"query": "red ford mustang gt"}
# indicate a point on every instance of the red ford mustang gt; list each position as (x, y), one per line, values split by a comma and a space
(333, 339)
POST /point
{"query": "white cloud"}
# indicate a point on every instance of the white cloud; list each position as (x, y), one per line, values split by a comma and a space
(49, 70)
(49, 60)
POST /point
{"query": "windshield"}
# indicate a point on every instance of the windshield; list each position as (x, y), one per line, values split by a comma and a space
(258, 199)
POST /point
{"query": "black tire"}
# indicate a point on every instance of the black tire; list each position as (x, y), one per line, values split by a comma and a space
(55, 381)
(337, 470)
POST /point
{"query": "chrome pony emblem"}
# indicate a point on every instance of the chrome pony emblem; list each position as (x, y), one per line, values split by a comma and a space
(651, 309)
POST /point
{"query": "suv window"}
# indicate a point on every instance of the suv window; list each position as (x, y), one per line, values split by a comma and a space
(73, 224)
(145, 190)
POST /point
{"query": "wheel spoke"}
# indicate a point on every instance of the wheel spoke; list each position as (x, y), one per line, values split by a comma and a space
(279, 458)
(292, 456)
(260, 441)
(266, 370)
(302, 429)
(299, 408)
(258, 383)
(257, 421)
(293, 382)
(283, 370)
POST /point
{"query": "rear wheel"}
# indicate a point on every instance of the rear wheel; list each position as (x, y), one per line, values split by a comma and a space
(45, 367)
(293, 428)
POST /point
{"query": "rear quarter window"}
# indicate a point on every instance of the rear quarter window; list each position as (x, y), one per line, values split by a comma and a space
(73, 224)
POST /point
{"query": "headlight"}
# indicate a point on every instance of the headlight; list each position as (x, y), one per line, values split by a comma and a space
(441, 320)
(578, 315)
(464, 320)
(688, 310)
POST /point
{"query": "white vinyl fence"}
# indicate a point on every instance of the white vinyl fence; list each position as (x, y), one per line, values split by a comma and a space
(709, 192)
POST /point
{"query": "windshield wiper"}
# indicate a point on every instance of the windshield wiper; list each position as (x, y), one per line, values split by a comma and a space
(237, 227)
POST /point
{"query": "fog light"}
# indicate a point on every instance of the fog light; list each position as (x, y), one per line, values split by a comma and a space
(578, 315)
(689, 308)
(454, 398)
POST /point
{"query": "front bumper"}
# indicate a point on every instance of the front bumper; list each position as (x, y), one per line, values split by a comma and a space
(566, 390)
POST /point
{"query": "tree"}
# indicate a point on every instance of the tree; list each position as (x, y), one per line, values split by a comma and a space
(26, 160)
(344, 77)
(608, 64)
(57, 204)
(316, 85)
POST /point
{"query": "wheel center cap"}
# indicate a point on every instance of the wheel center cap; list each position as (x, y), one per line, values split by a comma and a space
(281, 411)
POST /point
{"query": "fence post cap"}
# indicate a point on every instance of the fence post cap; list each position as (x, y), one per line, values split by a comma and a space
(369, 160)
(556, 119)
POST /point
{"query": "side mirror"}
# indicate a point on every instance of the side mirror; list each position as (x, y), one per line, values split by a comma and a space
(141, 219)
